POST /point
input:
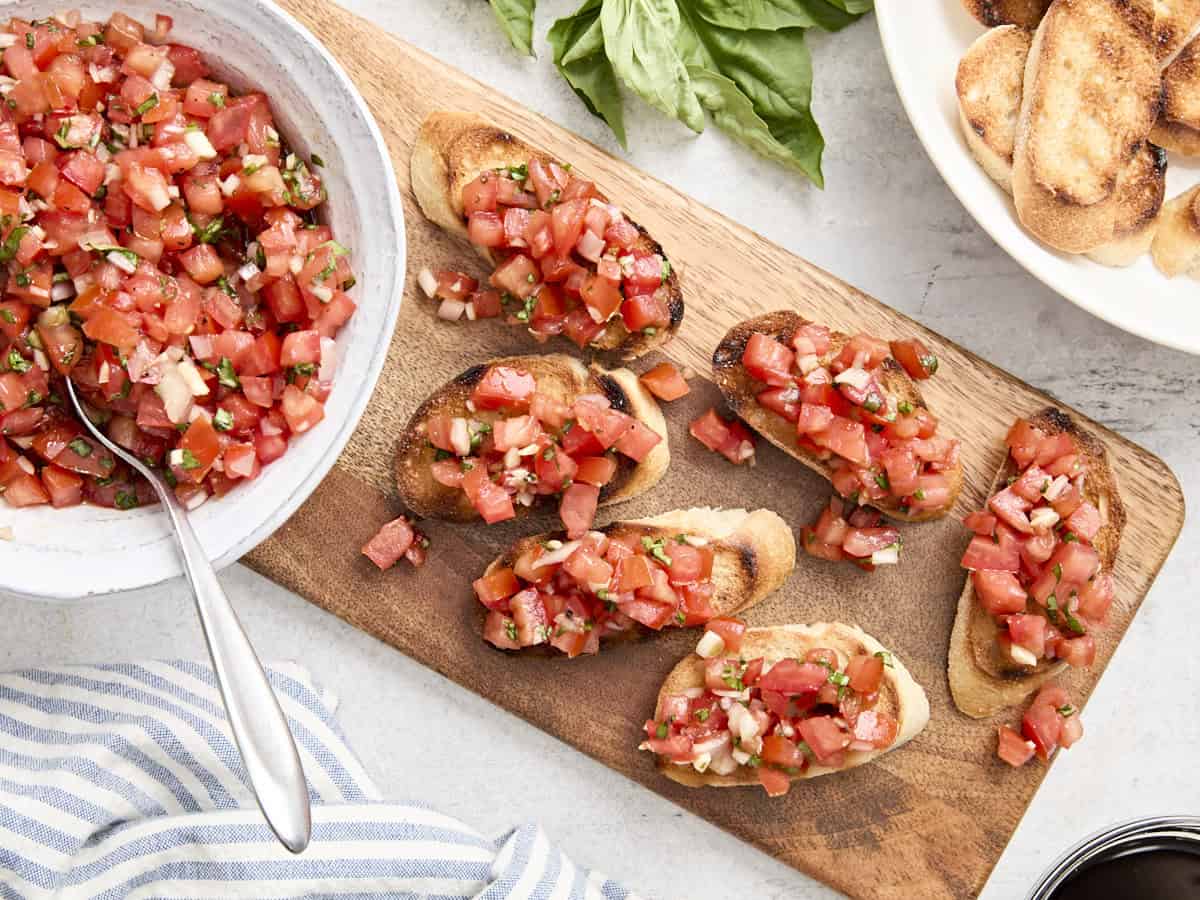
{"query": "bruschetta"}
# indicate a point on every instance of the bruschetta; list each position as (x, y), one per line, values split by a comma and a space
(780, 704)
(514, 435)
(680, 569)
(1040, 563)
(566, 259)
(847, 407)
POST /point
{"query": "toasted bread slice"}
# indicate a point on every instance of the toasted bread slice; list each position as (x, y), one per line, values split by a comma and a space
(557, 374)
(1174, 23)
(982, 680)
(1176, 247)
(1022, 13)
(1091, 94)
(1178, 126)
(453, 149)
(899, 695)
(739, 389)
(988, 84)
(754, 553)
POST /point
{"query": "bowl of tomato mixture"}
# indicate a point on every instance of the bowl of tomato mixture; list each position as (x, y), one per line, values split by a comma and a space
(200, 225)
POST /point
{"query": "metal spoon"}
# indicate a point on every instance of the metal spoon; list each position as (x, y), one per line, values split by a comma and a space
(259, 727)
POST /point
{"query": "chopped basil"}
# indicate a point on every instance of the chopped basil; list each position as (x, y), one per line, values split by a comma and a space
(1057, 571)
(886, 656)
(222, 420)
(882, 480)
(16, 362)
(226, 287)
(919, 494)
(1052, 608)
(732, 678)
(1069, 537)
(1067, 710)
(8, 250)
(60, 277)
(510, 629)
(7, 316)
(666, 269)
(701, 715)
(548, 454)
(146, 105)
(655, 549)
(170, 478)
(841, 679)
(90, 41)
(662, 730)
(210, 233)
(217, 99)
(304, 370)
(929, 363)
(23, 280)
(1073, 623)
(225, 374)
(439, 454)
(29, 40)
(518, 173)
(554, 197)
(905, 407)
(317, 161)
(681, 538)
(188, 460)
(80, 447)
(872, 403)
(125, 500)
(525, 314)
(680, 618)
(650, 331)
(33, 398)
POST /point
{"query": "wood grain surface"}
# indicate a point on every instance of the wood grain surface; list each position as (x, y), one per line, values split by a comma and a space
(929, 820)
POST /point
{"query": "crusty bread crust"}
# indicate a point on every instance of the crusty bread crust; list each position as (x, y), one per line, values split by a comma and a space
(988, 84)
(754, 553)
(1022, 13)
(1141, 188)
(453, 149)
(1176, 247)
(1178, 126)
(982, 681)
(557, 374)
(1174, 22)
(899, 694)
(739, 390)
(1091, 96)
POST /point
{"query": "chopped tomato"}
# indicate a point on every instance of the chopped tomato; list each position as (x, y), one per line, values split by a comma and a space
(503, 387)
(915, 357)
(393, 543)
(1013, 748)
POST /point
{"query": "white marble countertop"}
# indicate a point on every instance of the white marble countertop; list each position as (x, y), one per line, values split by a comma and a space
(885, 223)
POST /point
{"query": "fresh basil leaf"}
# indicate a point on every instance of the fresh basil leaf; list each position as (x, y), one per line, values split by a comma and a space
(516, 18)
(778, 96)
(641, 40)
(770, 15)
(578, 44)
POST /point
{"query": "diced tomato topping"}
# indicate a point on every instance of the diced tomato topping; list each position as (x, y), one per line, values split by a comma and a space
(394, 542)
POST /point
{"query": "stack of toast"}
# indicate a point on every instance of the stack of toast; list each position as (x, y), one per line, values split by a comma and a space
(1071, 106)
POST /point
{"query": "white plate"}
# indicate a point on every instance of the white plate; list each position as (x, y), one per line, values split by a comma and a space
(85, 550)
(923, 41)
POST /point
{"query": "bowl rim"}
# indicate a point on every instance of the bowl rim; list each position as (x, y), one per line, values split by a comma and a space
(364, 388)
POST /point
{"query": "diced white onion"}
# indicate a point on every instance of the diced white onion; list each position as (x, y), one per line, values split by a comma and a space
(471, 316)
(858, 378)
(26, 465)
(742, 723)
(512, 458)
(200, 144)
(554, 557)
(451, 310)
(807, 363)
(7, 39)
(175, 393)
(176, 457)
(1043, 518)
(248, 271)
(710, 645)
(428, 282)
(1056, 487)
(64, 290)
(191, 375)
(328, 359)
(1021, 656)
(460, 437)
(701, 762)
(229, 187)
(888, 556)
(295, 264)
(122, 262)
(694, 541)
(173, 191)
(162, 76)
(741, 757)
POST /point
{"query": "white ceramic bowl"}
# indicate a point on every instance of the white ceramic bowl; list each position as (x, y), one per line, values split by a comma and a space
(85, 550)
(924, 40)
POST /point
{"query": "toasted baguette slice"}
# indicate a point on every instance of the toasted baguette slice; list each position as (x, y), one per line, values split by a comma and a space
(899, 695)
(1178, 126)
(982, 680)
(1091, 94)
(453, 149)
(1022, 13)
(1176, 247)
(988, 84)
(754, 553)
(557, 374)
(1174, 23)
(739, 390)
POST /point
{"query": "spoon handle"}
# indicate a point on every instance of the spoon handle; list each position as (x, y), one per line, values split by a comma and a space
(258, 724)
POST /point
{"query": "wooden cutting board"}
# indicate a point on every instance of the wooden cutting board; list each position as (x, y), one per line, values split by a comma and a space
(929, 820)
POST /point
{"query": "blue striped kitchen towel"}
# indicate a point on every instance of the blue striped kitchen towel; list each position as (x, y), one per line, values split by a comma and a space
(122, 781)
